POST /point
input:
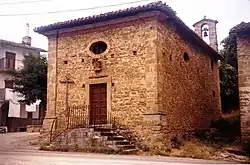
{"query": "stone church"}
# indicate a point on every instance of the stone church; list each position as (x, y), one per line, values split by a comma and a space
(141, 66)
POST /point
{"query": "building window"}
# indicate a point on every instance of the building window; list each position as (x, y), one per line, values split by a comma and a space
(134, 52)
(212, 65)
(213, 93)
(98, 47)
(186, 57)
(170, 57)
(8, 84)
(29, 115)
(10, 60)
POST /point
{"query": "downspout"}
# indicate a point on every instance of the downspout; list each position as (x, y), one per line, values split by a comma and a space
(56, 72)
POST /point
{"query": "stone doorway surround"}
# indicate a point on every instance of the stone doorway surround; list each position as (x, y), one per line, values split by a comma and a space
(99, 80)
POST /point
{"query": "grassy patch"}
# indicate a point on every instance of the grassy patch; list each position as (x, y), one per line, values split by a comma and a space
(246, 147)
(195, 149)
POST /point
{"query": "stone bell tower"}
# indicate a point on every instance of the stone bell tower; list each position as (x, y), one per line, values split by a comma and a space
(206, 29)
(27, 39)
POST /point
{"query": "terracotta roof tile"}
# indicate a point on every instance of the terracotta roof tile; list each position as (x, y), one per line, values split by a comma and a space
(107, 16)
(21, 45)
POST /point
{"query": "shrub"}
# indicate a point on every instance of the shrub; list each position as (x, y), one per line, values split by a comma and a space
(246, 147)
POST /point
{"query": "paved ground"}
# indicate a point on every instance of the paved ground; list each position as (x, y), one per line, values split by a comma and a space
(56, 158)
(17, 141)
(15, 149)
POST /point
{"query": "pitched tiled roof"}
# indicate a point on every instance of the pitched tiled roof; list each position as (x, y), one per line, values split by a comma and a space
(20, 45)
(107, 16)
(183, 29)
(242, 27)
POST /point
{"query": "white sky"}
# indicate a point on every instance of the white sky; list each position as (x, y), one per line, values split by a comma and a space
(228, 12)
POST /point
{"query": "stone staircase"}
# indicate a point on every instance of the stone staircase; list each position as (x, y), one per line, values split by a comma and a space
(102, 136)
(115, 140)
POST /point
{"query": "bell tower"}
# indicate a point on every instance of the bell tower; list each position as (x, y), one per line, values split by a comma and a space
(27, 39)
(206, 29)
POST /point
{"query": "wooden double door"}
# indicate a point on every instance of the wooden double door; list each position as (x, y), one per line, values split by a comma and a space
(98, 104)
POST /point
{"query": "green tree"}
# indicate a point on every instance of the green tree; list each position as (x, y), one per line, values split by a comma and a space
(229, 51)
(228, 87)
(229, 74)
(31, 80)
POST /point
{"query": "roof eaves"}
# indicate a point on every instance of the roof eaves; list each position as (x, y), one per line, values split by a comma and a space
(198, 39)
(205, 19)
(159, 6)
(20, 45)
(241, 28)
(107, 16)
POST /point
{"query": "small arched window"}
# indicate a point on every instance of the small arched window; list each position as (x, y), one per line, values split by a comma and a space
(212, 65)
(213, 93)
(98, 47)
(186, 57)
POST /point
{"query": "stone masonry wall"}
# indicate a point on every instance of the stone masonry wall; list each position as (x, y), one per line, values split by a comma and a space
(243, 55)
(188, 91)
(81, 138)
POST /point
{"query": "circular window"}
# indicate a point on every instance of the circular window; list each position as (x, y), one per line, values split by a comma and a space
(98, 47)
(186, 57)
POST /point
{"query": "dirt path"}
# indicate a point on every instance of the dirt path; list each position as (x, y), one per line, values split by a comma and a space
(18, 141)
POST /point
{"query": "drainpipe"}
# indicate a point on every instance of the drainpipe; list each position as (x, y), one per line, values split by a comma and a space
(57, 33)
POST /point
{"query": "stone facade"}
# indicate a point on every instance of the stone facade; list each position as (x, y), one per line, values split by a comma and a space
(188, 90)
(159, 86)
(243, 54)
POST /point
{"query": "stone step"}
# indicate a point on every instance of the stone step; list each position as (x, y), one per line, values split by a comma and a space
(103, 129)
(123, 142)
(116, 140)
(102, 126)
(130, 151)
(108, 134)
(126, 147)
(111, 138)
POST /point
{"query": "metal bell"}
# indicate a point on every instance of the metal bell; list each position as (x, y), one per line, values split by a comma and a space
(205, 34)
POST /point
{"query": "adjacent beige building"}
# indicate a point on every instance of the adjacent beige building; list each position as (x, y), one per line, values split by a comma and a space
(141, 65)
(13, 113)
